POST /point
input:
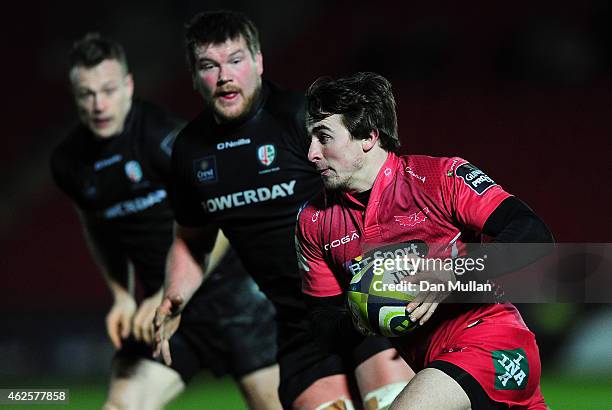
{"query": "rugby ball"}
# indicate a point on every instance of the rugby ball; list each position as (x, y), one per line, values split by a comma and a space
(377, 300)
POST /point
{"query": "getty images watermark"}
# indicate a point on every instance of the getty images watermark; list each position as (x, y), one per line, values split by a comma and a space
(559, 273)
(442, 274)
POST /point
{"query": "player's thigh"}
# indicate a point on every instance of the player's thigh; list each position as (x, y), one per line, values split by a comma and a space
(139, 383)
(260, 388)
(383, 368)
(327, 393)
(381, 378)
(309, 377)
(432, 389)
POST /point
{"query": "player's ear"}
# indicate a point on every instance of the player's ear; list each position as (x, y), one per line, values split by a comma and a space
(368, 143)
(259, 63)
(129, 83)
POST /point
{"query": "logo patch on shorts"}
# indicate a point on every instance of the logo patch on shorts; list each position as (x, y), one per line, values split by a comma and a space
(477, 180)
(511, 369)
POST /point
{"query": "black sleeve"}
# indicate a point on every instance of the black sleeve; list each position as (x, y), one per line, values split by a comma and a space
(63, 175)
(512, 222)
(332, 324)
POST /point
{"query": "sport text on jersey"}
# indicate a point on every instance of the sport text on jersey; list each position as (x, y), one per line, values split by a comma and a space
(249, 196)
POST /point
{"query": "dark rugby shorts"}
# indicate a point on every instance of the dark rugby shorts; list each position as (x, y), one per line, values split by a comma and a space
(229, 329)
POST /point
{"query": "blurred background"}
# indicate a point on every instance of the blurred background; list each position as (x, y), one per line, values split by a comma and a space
(521, 89)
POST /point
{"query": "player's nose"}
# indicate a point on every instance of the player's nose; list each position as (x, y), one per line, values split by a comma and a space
(314, 151)
(224, 75)
(99, 103)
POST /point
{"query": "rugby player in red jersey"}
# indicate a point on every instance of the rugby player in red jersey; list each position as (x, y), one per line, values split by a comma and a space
(465, 355)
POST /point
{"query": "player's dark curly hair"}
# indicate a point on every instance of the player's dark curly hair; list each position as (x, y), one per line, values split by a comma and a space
(216, 27)
(365, 101)
(91, 49)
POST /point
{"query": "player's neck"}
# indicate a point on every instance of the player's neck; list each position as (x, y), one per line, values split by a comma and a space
(364, 178)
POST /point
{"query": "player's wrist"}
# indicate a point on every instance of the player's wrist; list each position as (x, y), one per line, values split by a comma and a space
(121, 296)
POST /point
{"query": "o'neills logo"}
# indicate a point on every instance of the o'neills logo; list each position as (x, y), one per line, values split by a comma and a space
(233, 144)
(250, 196)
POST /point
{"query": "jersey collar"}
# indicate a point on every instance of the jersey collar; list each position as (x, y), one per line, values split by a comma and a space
(385, 176)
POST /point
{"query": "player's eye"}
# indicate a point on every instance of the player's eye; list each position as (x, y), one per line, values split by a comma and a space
(236, 60)
(109, 91)
(206, 66)
(324, 138)
(84, 95)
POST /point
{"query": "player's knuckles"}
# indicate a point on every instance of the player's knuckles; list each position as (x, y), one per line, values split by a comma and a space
(112, 317)
(419, 312)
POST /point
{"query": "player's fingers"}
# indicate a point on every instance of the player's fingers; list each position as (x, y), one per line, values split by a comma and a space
(126, 326)
(137, 324)
(418, 299)
(418, 312)
(113, 334)
(162, 312)
(165, 348)
(148, 330)
(112, 329)
(157, 348)
(430, 311)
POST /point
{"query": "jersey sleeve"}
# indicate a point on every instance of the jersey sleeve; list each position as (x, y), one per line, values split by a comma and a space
(188, 210)
(63, 175)
(473, 195)
(318, 280)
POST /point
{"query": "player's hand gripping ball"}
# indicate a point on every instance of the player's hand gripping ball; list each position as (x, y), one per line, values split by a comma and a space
(377, 300)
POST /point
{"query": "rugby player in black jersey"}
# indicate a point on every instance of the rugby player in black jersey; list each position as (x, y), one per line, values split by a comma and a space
(241, 166)
(115, 166)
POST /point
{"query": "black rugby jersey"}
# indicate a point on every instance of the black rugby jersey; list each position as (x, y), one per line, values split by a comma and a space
(249, 180)
(119, 185)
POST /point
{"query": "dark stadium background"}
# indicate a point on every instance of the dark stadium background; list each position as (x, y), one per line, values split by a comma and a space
(522, 89)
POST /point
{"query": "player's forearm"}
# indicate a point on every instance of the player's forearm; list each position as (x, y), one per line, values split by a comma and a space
(119, 289)
(183, 274)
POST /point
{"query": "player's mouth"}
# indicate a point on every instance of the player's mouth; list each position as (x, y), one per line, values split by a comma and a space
(227, 95)
(325, 172)
(102, 123)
